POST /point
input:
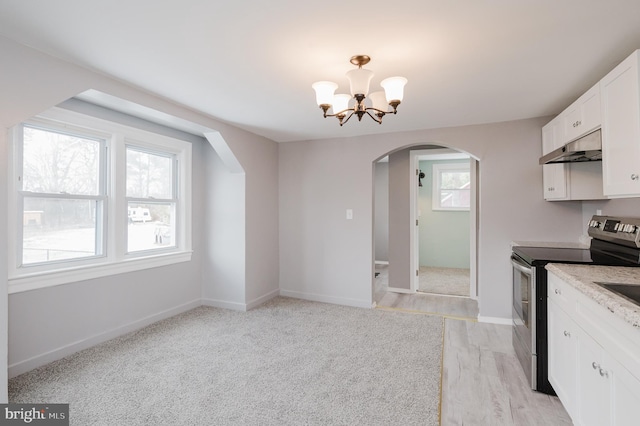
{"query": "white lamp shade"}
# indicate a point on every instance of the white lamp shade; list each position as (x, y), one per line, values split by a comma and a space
(324, 92)
(394, 88)
(340, 103)
(359, 80)
(379, 101)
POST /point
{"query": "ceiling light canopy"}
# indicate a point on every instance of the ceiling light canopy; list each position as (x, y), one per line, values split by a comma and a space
(375, 104)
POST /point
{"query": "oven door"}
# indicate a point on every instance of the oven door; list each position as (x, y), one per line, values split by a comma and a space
(524, 317)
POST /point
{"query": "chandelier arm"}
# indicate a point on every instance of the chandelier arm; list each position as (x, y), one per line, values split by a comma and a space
(338, 113)
(379, 111)
(348, 117)
(377, 120)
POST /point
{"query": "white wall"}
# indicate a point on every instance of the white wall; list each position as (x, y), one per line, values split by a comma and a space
(400, 176)
(224, 266)
(52, 321)
(381, 211)
(326, 257)
(4, 328)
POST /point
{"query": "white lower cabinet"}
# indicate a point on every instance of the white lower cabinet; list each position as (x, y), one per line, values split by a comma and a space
(562, 355)
(585, 367)
(593, 383)
(625, 395)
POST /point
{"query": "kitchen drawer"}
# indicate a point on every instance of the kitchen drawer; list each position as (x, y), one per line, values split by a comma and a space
(561, 293)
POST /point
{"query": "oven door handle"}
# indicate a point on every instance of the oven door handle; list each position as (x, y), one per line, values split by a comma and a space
(519, 267)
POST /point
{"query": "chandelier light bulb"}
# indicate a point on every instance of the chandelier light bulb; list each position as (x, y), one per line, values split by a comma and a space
(379, 100)
(341, 103)
(359, 80)
(394, 88)
(324, 92)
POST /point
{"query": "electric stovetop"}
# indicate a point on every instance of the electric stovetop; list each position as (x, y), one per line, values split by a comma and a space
(600, 253)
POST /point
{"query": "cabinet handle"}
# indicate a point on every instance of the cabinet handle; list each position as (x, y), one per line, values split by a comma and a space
(634, 176)
(577, 123)
(595, 365)
(604, 373)
(567, 334)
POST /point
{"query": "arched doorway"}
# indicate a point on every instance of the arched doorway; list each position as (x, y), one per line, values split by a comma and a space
(396, 221)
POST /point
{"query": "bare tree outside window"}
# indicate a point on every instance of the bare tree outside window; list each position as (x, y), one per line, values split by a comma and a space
(61, 195)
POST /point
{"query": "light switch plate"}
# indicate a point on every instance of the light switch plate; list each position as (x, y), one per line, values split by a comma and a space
(349, 214)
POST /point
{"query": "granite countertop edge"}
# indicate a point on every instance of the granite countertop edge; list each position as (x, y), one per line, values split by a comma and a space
(584, 277)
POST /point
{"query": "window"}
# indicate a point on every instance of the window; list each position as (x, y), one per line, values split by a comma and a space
(61, 195)
(451, 186)
(91, 198)
(151, 201)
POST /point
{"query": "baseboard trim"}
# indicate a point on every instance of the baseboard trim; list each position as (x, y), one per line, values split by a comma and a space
(401, 290)
(314, 297)
(495, 320)
(262, 299)
(39, 360)
(233, 306)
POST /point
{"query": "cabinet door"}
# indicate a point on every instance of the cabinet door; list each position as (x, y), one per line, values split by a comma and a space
(554, 179)
(583, 116)
(562, 356)
(625, 409)
(554, 176)
(621, 129)
(593, 383)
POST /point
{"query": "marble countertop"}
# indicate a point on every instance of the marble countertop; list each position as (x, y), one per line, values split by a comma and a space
(584, 277)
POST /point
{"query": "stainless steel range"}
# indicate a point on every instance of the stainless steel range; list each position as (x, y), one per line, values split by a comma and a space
(615, 241)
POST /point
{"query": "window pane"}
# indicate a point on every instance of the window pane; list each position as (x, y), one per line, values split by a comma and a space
(60, 163)
(151, 226)
(455, 198)
(58, 229)
(149, 175)
(454, 180)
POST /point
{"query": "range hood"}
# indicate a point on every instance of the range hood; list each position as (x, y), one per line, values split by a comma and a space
(587, 148)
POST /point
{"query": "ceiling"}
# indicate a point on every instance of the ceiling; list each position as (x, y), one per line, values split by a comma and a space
(251, 63)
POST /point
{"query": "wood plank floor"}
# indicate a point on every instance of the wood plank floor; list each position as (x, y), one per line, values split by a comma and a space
(482, 381)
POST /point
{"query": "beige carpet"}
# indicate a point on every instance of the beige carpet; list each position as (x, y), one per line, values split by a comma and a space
(287, 362)
(450, 281)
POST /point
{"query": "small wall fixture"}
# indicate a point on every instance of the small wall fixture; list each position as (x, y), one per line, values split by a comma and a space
(359, 80)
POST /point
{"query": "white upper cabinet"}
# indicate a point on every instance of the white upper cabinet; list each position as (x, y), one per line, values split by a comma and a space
(582, 116)
(554, 176)
(565, 181)
(621, 129)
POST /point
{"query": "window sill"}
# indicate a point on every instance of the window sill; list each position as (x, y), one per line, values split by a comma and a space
(27, 282)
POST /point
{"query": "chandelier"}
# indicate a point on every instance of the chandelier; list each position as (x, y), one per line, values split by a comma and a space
(359, 80)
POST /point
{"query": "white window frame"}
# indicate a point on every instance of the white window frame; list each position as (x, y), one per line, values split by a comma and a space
(115, 259)
(438, 169)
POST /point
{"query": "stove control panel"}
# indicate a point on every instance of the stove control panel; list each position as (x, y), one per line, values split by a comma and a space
(620, 230)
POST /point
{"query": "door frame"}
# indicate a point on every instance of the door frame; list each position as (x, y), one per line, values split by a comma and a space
(414, 240)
